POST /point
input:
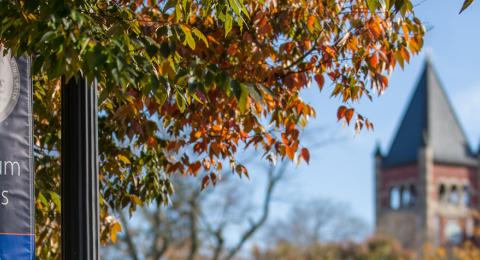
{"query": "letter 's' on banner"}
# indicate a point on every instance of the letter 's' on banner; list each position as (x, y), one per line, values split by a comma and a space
(16, 159)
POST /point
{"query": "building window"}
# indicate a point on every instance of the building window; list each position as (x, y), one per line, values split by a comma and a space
(442, 193)
(466, 199)
(413, 195)
(454, 196)
(394, 198)
(406, 197)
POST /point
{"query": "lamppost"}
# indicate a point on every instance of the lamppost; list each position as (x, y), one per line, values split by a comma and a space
(80, 203)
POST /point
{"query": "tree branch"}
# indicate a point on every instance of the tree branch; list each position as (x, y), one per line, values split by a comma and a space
(132, 251)
(273, 179)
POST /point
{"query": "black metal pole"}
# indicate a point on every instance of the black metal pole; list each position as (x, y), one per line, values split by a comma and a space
(80, 206)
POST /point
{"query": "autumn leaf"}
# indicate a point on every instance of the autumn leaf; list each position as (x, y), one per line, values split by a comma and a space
(305, 155)
(341, 112)
(241, 170)
(311, 23)
(195, 167)
(213, 177)
(205, 182)
(290, 152)
(217, 128)
(123, 159)
(349, 114)
(373, 60)
(320, 80)
(114, 230)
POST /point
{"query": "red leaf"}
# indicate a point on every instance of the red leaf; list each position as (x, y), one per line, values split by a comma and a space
(305, 155)
(341, 112)
(195, 167)
(320, 81)
(213, 176)
(205, 182)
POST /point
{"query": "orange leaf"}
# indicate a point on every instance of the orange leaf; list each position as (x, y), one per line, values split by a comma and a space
(373, 60)
(405, 31)
(349, 115)
(290, 152)
(311, 23)
(384, 80)
(285, 139)
(331, 51)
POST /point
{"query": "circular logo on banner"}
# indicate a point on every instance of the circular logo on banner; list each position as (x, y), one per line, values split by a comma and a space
(9, 85)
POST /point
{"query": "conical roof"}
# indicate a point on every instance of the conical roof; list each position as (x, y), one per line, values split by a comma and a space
(430, 119)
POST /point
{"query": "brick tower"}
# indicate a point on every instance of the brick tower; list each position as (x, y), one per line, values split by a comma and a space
(426, 185)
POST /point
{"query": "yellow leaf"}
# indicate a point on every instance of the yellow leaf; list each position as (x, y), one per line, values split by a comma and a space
(123, 159)
(116, 227)
(135, 199)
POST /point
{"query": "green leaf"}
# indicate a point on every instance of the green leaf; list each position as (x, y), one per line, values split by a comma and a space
(47, 36)
(372, 5)
(188, 36)
(56, 200)
(42, 199)
(235, 6)
(181, 102)
(200, 36)
(466, 4)
(228, 23)
(254, 93)
(242, 102)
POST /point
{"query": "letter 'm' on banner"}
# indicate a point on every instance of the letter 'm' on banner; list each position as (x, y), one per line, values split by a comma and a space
(16, 159)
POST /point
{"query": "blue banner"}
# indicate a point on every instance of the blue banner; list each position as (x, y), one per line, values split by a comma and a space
(17, 226)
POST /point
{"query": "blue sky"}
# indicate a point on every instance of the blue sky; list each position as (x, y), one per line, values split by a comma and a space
(343, 171)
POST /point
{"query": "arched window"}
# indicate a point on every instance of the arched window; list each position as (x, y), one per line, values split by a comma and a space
(406, 197)
(413, 195)
(442, 192)
(454, 196)
(394, 198)
(466, 199)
